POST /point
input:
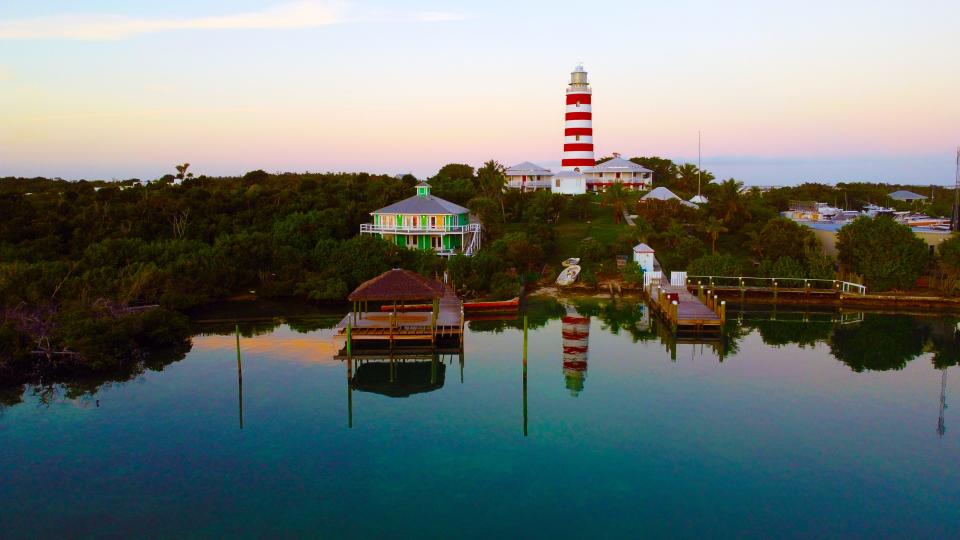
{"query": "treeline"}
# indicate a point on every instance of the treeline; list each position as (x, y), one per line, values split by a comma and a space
(93, 274)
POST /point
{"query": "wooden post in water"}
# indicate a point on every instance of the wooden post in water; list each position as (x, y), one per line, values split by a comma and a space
(349, 391)
(239, 377)
(349, 339)
(524, 375)
(676, 315)
(723, 312)
(349, 375)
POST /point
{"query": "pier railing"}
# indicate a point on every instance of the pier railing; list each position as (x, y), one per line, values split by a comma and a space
(777, 283)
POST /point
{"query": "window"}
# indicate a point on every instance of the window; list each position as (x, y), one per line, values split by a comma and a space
(558, 182)
(411, 241)
(436, 242)
(600, 175)
(414, 222)
(578, 137)
(578, 104)
(433, 222)
(618, 176)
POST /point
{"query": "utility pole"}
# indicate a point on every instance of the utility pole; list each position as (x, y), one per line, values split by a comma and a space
(955, 222)
(699, 157)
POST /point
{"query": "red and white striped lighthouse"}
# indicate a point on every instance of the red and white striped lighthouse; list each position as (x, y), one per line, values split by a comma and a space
(578, 135)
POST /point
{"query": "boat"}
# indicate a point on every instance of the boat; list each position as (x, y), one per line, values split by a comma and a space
(572, 261)
(496, 306)
(569, 275)
(499, 306)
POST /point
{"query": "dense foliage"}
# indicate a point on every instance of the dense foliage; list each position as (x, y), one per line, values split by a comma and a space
(887, 254)
(93, 273)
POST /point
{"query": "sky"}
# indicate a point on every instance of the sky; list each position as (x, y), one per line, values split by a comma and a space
(782, 93)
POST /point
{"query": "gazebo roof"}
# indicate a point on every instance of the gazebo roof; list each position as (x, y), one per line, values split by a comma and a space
(397, 284)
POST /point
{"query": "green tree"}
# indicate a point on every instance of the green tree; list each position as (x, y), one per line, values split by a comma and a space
(616, 197)
(713, 229)
(492, 180)
(887, 254)
(716, 265)
(949, 264)
(782, 237)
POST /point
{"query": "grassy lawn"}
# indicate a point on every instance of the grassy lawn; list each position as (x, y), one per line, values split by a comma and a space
(570, 231)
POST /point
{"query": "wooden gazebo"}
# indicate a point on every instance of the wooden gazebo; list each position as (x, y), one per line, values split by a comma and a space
(412, 307)
(397, 286)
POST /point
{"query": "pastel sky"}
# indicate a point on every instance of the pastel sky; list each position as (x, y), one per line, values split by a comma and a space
(821, 91)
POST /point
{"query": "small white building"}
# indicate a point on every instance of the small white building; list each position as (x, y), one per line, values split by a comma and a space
(528, 176)
(618, 170)
(644, 256)
(569, 183)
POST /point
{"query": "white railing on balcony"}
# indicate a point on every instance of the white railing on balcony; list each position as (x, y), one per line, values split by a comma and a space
(393, 229)
(529, 184)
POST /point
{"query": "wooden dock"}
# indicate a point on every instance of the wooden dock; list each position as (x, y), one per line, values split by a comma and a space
(685, 313)
(445, 322)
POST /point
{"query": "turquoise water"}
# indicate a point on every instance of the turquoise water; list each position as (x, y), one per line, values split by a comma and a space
(787, 429)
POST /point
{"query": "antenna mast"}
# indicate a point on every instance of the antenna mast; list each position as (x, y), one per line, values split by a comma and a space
(955, 222)
(699, 157)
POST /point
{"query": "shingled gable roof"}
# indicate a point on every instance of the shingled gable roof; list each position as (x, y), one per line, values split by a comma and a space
(526, 168)
(903, 195)
(397, 284)
(422, 205)
(618, 164)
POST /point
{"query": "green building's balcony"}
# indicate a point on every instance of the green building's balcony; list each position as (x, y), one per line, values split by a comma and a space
(369, 228)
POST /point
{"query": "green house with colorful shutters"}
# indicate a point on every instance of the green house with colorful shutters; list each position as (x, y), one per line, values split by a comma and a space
(426, 222)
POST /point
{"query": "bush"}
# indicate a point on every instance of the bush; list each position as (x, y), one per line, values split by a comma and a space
(887, 254)
(949, 265)
(588, 278)
(503, 286)
(717, 265)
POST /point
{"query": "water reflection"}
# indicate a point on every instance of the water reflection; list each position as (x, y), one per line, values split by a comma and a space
(576, 342)
(864, 342)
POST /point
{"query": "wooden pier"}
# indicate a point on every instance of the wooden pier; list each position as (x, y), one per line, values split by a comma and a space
(685, 313)
(443, 321)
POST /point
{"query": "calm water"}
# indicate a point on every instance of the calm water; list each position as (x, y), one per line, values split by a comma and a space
(787, 429)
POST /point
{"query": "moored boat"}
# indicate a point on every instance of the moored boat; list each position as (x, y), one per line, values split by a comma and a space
(569, 275)
(571, 261)
(488, 307)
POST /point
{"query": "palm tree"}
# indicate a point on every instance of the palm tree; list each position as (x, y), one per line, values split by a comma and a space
(492, 180)
(714, 228)
(182, 172)
(689, 175)
(729, 202)
(617, 197)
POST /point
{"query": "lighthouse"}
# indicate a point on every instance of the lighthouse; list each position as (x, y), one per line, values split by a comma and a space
(578, 132)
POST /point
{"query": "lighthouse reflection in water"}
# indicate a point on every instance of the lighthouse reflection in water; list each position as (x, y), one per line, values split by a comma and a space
(576, 341)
